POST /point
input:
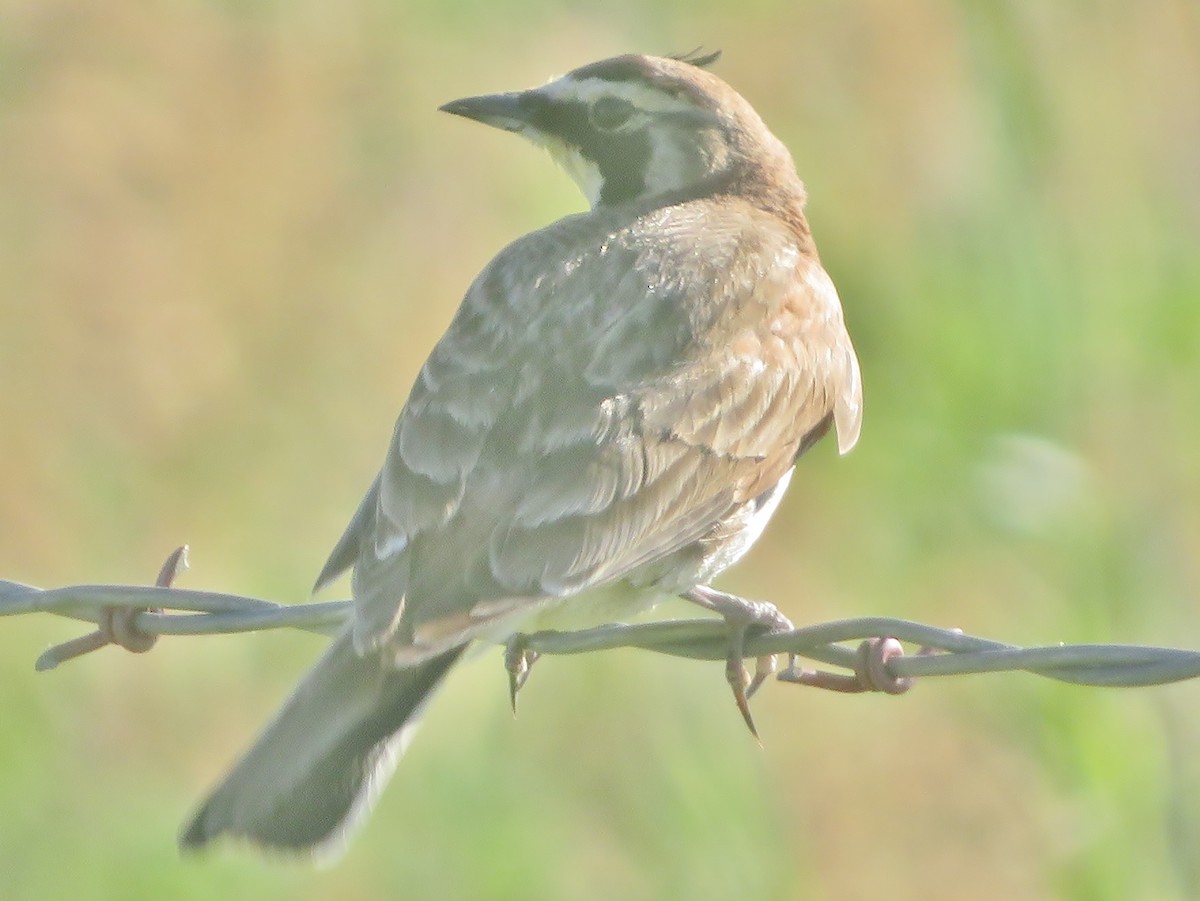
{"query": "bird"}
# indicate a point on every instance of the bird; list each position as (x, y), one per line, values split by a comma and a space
(610, 419)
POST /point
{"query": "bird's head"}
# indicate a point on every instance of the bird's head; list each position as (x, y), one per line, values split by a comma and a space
(636, 127)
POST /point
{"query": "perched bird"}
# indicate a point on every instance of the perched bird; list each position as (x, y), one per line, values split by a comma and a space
(611, 418)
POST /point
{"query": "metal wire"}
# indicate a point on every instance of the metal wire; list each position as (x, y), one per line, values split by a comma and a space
(943, 652)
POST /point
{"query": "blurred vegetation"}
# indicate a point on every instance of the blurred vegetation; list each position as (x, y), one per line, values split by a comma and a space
(231, 231)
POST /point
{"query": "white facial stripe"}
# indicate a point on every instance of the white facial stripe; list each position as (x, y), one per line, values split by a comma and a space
(591, 89)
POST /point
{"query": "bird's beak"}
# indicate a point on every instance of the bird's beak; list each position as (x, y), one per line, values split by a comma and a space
(506, 111)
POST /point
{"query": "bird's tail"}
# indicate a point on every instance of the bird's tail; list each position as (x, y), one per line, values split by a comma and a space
(318, 767)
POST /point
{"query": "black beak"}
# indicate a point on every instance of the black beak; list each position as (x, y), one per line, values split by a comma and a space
(506, 111)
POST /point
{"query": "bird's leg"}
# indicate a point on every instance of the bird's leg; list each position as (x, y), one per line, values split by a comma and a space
(518, 660)
(741, 614)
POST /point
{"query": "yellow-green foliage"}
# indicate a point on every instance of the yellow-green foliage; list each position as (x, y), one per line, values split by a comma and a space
(231, 231)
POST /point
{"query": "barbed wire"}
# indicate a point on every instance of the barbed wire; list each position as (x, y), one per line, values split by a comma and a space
(133, 616)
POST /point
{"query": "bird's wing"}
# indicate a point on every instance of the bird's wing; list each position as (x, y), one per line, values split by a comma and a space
(586, 418)
(697, 442)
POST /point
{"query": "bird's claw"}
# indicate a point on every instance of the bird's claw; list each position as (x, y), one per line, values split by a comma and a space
(764, 668)
(738, 676)
(740, 681)
(741, 615)
(518, 660)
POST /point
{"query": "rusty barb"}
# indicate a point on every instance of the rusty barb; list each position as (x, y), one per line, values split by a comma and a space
(866, 653)
(117, 625)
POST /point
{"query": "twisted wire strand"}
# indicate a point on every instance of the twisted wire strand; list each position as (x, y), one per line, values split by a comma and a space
(151, 611)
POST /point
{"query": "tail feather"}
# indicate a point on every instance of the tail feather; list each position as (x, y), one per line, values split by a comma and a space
(318, 767)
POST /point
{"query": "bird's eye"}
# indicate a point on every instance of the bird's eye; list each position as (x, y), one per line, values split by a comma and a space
(610, 113)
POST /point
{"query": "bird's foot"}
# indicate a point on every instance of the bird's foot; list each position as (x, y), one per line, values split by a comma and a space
(518, 660)
(741, 615)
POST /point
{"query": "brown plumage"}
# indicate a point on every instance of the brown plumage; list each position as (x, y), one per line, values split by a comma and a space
(613, 413)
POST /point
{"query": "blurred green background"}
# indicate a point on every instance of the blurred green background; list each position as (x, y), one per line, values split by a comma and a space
(231, 231)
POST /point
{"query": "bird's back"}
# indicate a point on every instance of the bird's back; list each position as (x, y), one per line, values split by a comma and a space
(613, 389)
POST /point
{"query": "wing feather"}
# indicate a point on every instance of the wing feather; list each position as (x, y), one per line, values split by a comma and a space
(598, 418)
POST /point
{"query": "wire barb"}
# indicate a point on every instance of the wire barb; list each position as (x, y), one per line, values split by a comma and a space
(118, 624)
(871, 671)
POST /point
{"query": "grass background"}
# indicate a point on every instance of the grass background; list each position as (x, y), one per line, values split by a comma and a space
(231, 231)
